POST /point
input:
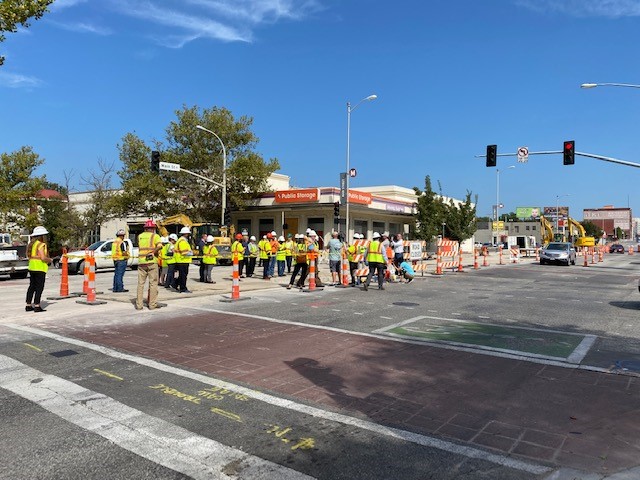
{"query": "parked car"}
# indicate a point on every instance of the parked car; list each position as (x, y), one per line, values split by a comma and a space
(616, 248)
(102, 254)
(558, 252)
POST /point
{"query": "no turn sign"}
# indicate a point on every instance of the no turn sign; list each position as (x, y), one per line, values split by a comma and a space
(523, 154)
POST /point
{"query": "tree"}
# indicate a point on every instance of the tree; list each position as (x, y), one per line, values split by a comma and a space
(18, 12)
(592, 230)
(461, 218)
(150, 194)
(19, 189)
(430, 212)
(61, 220)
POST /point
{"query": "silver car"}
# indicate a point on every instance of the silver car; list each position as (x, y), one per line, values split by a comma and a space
(558, 252)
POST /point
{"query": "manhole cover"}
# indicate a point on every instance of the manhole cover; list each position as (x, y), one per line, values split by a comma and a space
(405, 304)
(63, 353)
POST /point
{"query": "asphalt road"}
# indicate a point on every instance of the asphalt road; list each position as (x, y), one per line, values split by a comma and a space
(74, 410)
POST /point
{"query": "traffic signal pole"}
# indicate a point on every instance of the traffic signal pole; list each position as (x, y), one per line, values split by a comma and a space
(582, 154)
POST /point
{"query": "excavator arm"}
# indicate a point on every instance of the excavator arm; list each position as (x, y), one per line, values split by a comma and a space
(582, 240)
(547, 229)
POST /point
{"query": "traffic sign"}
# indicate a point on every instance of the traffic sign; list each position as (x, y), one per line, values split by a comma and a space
(352, 172)
(174, 167)
(415, 251)
(343, 188)
(523, 154)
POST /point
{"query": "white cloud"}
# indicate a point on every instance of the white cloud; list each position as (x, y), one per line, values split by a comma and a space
(82, 27)
(183, 21)
(60, 4)
(15, 80)
(591, 8)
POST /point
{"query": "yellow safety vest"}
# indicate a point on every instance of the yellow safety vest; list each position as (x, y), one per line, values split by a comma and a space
(375, 252)
(147, 243)
(281, 254)
(238, 249)
(351, 253)
(300, 250)
(253, 250)
(289, 247)
(35, 264)
(116, 250)
(265, 248)
(165, 253)
(210, 254)
(182, 247)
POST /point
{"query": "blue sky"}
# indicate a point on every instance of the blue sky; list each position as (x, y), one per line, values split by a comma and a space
(451, 77)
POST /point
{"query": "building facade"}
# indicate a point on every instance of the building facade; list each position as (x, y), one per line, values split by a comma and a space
(609, 219)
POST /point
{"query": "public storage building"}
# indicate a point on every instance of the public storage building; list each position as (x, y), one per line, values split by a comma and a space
(293, 210)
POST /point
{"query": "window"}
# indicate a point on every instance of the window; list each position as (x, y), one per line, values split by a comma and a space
(378, 227)
(533, 227)
(527, 228)
(361, 226)
(317, 224)
(244, 225)
(265, 226)
(516, 228)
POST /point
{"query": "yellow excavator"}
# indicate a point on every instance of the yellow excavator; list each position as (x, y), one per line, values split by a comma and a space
(547, 230)
(582, 240)
(220, 240)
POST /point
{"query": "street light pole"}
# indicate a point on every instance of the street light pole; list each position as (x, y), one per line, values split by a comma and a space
(224, 173)
(498, 192)
(349, 110)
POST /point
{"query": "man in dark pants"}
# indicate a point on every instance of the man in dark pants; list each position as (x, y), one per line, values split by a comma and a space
(201, 243)
(377, 261)
(182, 253)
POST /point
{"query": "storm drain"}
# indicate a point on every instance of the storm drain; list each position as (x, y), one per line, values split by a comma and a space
(405, 304)
(63, 353)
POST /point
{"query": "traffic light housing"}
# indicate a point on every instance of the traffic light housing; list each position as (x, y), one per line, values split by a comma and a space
(155, 161)
(492, 155)
(227, 216)
(569, 153)
(336, 209)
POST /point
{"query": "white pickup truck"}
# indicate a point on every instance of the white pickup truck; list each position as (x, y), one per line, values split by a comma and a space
(13, 260)
(102, 254)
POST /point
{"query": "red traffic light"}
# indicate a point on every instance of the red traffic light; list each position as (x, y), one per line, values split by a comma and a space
(568, 157)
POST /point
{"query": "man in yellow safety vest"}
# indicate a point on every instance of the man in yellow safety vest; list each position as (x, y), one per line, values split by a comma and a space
(209, 258)
(376, 258)
(120, 256)
(182, 253)
(149, 244)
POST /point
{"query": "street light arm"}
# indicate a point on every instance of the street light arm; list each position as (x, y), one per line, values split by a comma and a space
(224, 150)
(366, 99)
(593, 85)
(224, 172)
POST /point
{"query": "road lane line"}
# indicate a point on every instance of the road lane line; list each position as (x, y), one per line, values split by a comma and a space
(149, 437)
(107, 374)
(33, 347)
(416, 438)
(582, 349)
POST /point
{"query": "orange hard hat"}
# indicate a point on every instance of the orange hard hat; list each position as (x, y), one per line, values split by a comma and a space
(269, 235)
(149, 224)
(238, 236)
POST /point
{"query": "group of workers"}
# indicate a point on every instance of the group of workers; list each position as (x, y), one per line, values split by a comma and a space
(164, 261)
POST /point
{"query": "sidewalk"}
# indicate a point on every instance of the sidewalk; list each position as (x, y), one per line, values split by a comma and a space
(556, 416)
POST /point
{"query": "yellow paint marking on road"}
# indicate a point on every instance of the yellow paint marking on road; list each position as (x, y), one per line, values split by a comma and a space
(226, 414)
(33, 346)
(107, 374)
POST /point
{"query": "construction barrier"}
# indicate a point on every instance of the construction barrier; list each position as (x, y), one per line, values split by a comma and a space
(586, 261)
(475, 259)
(601, 254)
(235, 282)
(91, 283)
(593, 255)
(514, 255)
(64, 279)
(447, 249)
(537, 254)
(312, 272)
(631, 250)
(500, 255)
(344, 270)
(485, 255)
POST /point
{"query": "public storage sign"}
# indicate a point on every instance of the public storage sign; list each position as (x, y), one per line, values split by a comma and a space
(303, 195)
(359, 197)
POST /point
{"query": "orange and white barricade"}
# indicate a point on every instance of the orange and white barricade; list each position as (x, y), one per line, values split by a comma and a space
(475, 259)
(601, 253)
(514, 254)
(235, 284)
(64, 279)
(91, 284)
(447, 256)
(585, 254)
(631, 250)
(537, 254)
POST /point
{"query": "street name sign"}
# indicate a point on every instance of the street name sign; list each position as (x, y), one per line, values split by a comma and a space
(174, 167)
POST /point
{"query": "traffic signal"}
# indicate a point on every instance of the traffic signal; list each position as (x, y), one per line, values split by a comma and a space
(155, 161)
(492, 155)
(336, 209)
(227, 216)
(569, 153)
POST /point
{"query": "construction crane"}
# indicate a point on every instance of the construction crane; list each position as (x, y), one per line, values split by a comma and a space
(547, 230)
(582, 240)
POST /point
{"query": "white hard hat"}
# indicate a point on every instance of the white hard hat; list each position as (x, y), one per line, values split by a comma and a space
(173, 236)
(274, 233)
(164, 239)
(252, 238)
(376, 235)
(184, 230)
(308, 230)
(385, 234)
(356, 235)
(209, 238)
(120, 232)
(281, 238)
(313, 233)
(39, 231)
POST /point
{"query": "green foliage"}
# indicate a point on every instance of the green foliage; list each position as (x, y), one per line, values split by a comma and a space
(14, 13)
(592, 230)
(62, 221)
(461, 219)
(430, 212)
(433, 211)
(168, 193)
(19, 187)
